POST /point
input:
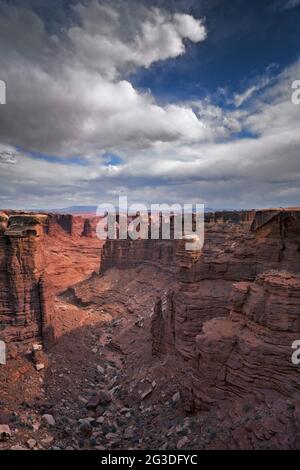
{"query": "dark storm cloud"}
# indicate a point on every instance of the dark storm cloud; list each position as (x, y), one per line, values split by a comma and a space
(69, 93)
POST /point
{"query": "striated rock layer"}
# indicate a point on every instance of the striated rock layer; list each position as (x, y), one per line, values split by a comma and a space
(132, 253)
(232, 320)
(40, 254)
(231, 253)
(26, 311)
(250, 351)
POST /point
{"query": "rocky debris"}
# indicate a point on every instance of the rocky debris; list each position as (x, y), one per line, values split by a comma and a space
(31, 443)
(18, 447)
(39, 357)
(181, 444)
(146, 393)
(176, 397)
(85, 428)
(47, 441)
(103, 398)
(5, 417)
(5, 432)
(100, 370)
(48, 420)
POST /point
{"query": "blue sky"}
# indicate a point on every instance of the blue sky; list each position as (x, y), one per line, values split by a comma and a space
(164, 101)
(244, 39)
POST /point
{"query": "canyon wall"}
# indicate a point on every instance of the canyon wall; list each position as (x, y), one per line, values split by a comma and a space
(26, 310)
(132, 253)
(232, 320)
(161, 252)
(40, 255)
(72, 249)
(249, 352)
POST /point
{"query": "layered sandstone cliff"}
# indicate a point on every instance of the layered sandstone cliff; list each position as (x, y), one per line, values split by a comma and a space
(40, 255)
(26, 311)
(249, 353)
(132, 253)
(231, 253)
(232, 320)
(72, 251)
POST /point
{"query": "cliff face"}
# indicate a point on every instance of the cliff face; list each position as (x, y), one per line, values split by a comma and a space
(235, 313)
(231, 253)
(40, 254)
(248, 354)
(26, 311)
(71, 257)
(131, 253)
(87, 229)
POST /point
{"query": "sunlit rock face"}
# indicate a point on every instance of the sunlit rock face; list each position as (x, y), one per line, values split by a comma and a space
(25, 296)
(40, 255)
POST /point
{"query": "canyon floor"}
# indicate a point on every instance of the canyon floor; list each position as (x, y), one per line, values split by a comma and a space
(103, 353)
(101, 383)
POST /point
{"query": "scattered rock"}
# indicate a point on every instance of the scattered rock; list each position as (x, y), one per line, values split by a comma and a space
(88, 420)
(82, 399)
(100, 370)
(5, 432)
(47, 440)
(181, 444)
(18, 447)
(129, 433)
(5, 417)
(31, 443)
(48, 420)
(104, 397)
(85, 429)
(176, 397)
(146, 393)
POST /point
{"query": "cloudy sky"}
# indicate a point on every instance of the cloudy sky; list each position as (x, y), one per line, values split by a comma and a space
(162, 101)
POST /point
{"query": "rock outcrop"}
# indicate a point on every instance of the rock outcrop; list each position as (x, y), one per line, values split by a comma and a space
(129, 253)
(87, 229)
(233, 317)
(70, 257)
(65, 221)
(26, 311)
(132, 253)
(248, 354)
(231, 253)
(40, 255)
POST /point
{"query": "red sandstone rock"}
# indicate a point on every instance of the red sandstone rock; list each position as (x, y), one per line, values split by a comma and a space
(40, 254)
(26, 307)
(247, 357)
(233, 318)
